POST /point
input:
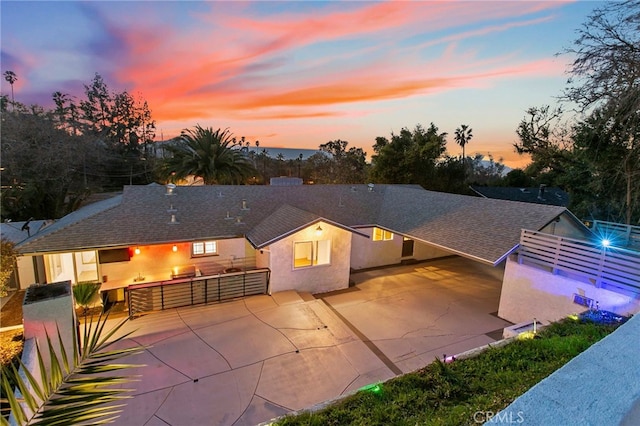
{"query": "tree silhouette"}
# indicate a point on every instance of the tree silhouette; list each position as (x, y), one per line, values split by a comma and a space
(208, 154)
(462, 136)
(11, 77)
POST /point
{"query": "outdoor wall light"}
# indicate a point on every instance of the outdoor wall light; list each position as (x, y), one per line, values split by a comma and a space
(174, 248)
(137, 250)
(319, 230)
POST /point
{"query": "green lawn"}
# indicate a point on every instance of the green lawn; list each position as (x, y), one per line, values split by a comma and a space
(450, 394)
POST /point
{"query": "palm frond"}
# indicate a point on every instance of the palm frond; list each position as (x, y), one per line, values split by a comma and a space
(72, 392)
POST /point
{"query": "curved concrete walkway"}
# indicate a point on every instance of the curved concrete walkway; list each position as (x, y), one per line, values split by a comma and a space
(248, 361)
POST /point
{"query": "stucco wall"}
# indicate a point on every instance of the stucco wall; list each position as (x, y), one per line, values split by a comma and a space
(155, 263)
(314, 279)
(263, 258)
(422, 251)
(366, 253)
(529, 292)
(566, 226)
(47, 317)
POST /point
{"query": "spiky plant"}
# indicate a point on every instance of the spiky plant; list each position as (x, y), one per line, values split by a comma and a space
(77, 390)
(85, 293)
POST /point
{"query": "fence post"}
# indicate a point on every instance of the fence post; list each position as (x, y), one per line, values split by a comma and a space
(556, 256)
(601, 266)
(128, 295)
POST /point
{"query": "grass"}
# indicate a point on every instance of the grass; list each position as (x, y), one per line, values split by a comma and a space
(450, 394)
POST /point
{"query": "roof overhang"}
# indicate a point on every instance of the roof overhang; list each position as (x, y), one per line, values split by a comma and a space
(301, 227)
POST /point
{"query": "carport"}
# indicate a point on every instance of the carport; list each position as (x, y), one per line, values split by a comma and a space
(250, 360)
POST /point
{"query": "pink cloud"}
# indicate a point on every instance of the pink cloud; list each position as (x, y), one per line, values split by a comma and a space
(240, 65)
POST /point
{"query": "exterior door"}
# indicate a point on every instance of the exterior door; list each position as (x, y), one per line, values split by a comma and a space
(407, 247)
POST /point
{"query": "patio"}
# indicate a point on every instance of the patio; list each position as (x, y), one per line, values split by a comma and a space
(247, 361)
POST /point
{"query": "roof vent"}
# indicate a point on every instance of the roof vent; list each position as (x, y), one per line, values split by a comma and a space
(353, 189)
(370, 187)
(244, 205)
(171, 209)
(340, 203)
(239, 221)
(220, 195)
(228, 216)
(171, 189)
(174, 220)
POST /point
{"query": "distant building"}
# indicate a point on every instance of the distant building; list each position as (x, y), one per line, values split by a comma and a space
(543, 194)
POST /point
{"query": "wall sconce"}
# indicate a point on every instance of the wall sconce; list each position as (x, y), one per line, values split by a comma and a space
(137, 250)
(319, 230)
(174, 248)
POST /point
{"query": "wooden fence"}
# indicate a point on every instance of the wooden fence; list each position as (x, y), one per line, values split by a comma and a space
(601, 265)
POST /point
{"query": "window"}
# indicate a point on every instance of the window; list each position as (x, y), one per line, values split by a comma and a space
(311, 253)
(204, 248)
(380, 234)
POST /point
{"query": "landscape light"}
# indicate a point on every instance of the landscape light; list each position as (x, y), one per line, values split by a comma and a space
(375, 388)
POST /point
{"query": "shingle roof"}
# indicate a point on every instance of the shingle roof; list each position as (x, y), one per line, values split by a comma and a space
(550, 195)
(483, 229)
(17, 231)
(284, 221)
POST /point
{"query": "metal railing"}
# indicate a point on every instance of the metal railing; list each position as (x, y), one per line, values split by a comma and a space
(608, 266)
(621, 234)
(160, 295)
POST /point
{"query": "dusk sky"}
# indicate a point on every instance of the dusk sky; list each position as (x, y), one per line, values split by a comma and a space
(299, 74)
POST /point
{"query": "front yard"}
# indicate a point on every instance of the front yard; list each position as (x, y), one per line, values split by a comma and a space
(462, 392)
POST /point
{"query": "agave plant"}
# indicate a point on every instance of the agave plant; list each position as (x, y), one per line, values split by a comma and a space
(85, 293)
(77, 390)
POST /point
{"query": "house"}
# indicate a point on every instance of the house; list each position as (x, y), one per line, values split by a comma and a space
(541, 195)
(15, 233)
(308, 237)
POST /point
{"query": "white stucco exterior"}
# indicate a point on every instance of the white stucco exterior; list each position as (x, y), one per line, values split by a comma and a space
(422, 251)
(313, 279)
(529, 292)
(367, 253)
(566, 226)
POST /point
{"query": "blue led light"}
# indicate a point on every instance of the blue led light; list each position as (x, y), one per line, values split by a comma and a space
(606, 242)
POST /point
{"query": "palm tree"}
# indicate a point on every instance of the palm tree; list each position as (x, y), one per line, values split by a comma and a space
(11, 77)
(208, 154)
(462, 136)
(77, 388)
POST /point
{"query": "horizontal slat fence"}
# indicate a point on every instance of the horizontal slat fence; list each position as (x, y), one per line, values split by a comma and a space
(602, 265)
(162, 295)
(621, 234)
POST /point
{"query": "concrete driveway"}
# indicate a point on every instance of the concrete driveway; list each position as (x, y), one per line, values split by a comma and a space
(248, 361)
